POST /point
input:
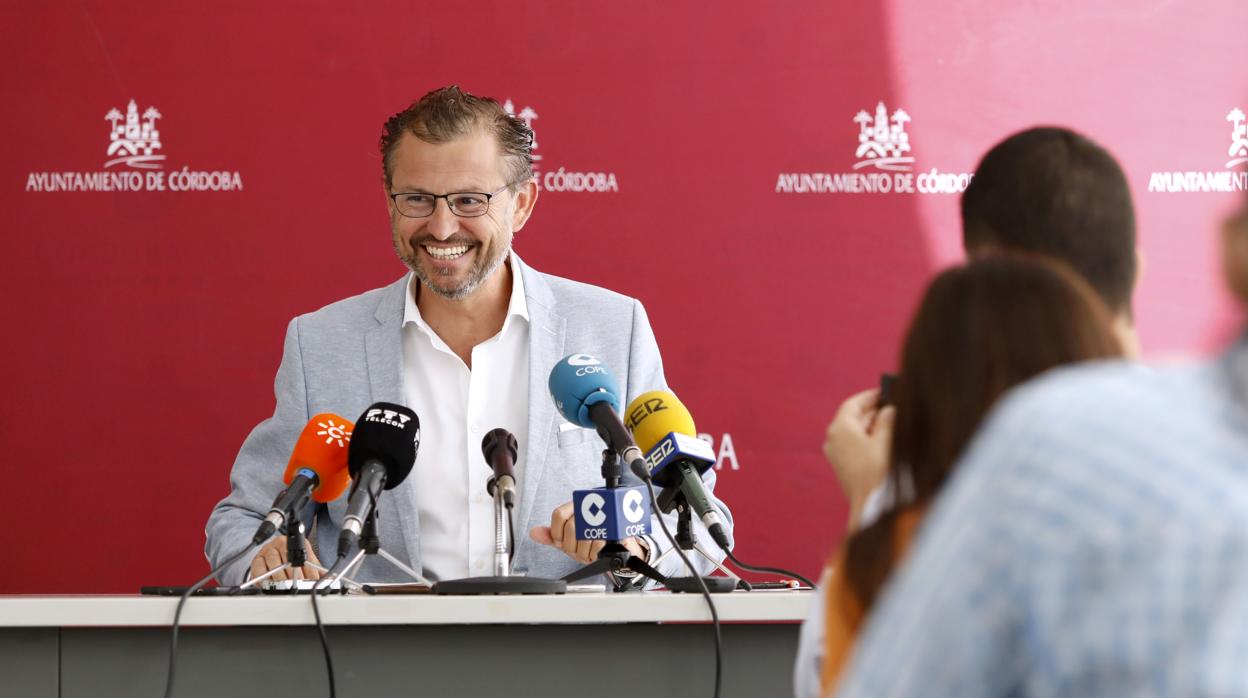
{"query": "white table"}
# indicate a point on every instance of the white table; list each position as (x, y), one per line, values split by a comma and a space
(602, 644)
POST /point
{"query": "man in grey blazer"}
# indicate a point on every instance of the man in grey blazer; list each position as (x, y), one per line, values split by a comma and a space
(467, 340)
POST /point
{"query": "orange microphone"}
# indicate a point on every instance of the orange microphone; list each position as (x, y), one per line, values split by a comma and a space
(317, 470)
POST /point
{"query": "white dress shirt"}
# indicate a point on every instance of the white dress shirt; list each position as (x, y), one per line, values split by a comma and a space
(456, 407)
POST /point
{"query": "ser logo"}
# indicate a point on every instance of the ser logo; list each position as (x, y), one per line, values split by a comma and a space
(645, 409)
(389, 417)
(662, 450)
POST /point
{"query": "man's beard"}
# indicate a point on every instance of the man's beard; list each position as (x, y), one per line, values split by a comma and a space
(480, 272)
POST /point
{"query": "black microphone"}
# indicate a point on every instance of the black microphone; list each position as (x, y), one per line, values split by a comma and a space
(382, 452)
(499, 448)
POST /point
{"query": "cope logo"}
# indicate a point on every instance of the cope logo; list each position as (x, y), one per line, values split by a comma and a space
(388, 417)
(586, 364)
(1226, 180)
(334, 432)
(633, 509)
(592, 509)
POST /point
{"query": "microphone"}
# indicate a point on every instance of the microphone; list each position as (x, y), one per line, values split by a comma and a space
(317, 470)
(499, 448)
(585, 393)
(382, 452)
(677, 458)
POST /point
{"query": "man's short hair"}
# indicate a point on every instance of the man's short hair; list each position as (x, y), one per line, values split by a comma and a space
(449, 113)
(1053, 191)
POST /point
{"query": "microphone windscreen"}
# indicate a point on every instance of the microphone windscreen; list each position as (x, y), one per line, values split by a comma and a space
(499, 438)
(655, 414)
(579, 381)
(322, 448)
(387, 433)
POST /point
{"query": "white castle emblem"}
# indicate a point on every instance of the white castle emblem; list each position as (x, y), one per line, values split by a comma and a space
(132, 143)
(882, 140)
(1239, 138)
(528, 116)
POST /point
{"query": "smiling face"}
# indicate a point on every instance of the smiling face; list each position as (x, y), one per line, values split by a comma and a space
(454, 256)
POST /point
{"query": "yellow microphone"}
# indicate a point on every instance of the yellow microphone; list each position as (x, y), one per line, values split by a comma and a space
(653, 415)
(663, 428)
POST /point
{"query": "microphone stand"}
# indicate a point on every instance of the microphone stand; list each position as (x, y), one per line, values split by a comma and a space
(614, 556)
(296, 558)
(671, 497)
(502, 582)
(370, 544)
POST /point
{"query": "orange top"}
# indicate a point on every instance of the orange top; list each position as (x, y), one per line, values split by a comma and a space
(843, 612)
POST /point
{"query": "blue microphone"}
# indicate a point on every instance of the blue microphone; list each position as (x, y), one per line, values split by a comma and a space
(611, 513)
(585, 393)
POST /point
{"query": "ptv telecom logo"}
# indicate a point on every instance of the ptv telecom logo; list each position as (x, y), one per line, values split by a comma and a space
(1229, 179)
(387, 417)
(883, 163)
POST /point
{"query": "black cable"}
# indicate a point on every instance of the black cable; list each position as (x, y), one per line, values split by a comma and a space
(320, 627)
(706, 593)
(772, 570)
(177, 615)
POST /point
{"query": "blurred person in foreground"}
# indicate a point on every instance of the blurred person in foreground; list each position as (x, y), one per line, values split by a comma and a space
(980, 330)
(1046, 190)
(1093, 543)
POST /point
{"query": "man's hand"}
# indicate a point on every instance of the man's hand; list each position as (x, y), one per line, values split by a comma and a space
(857, 445)
(561, 534)
(273, 556)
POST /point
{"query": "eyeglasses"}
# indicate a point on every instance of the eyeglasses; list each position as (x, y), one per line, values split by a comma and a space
(465, 204)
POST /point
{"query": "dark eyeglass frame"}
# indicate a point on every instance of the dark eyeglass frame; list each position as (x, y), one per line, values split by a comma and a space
(450, 204)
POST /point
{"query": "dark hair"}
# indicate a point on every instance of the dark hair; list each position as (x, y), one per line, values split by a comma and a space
(449, 113)
(981, 329)
(1052, 191)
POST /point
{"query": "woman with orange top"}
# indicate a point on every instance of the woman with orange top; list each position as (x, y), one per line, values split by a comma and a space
(981, 329)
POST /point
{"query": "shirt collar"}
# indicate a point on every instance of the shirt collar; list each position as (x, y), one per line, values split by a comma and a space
(518, 306)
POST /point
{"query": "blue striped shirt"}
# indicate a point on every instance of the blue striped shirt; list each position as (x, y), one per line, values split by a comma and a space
(1093, 541)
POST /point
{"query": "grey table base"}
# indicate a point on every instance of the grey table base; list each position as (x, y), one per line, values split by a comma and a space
(603, 660)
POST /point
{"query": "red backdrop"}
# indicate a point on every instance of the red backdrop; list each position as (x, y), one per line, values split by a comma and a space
(144, 326)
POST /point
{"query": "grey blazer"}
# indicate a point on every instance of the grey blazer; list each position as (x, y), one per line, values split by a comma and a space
(348, 355)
